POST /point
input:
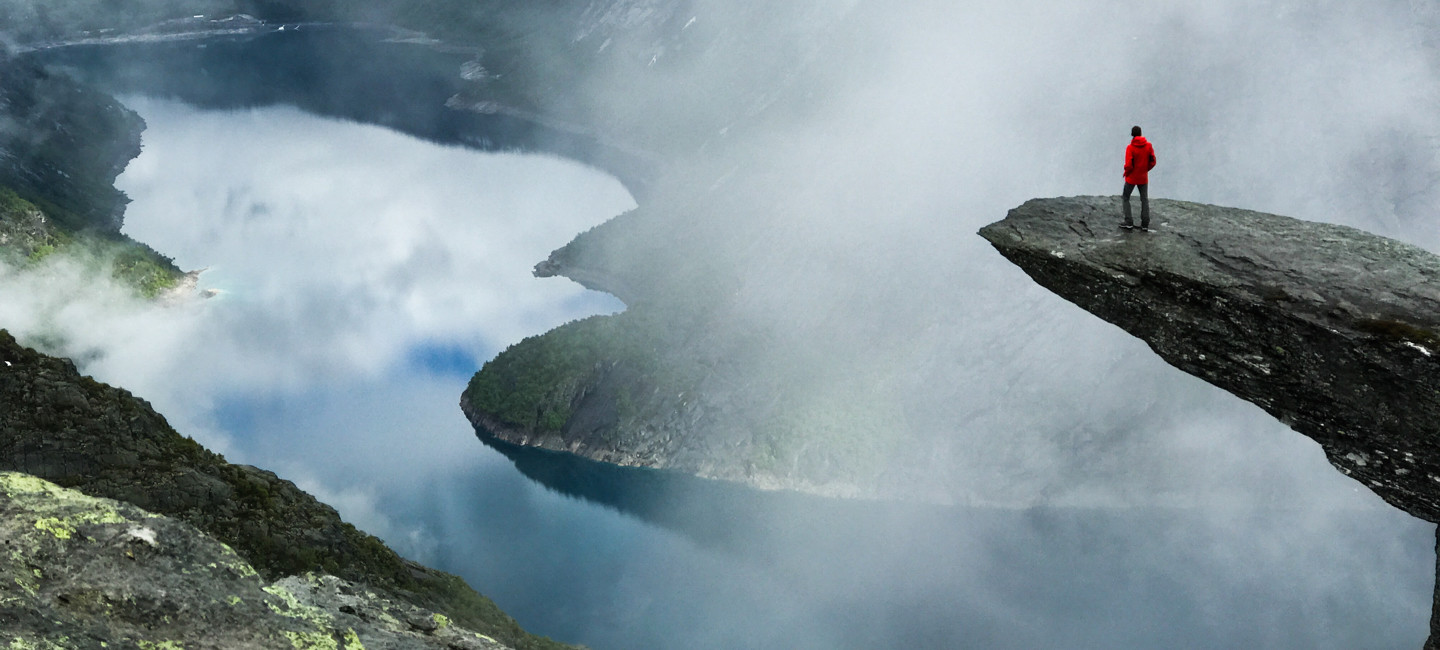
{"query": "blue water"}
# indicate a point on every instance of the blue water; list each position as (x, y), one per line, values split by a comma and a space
(364, 275)
(442, 359)
(790, 572)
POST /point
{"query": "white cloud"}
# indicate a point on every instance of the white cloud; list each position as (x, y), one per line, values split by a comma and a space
(336, 248)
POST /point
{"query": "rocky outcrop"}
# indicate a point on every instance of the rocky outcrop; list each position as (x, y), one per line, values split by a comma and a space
(79, 571)
(105, 442)
(1330, 329)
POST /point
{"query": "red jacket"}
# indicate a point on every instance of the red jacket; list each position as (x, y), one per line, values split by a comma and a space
(1139, 160)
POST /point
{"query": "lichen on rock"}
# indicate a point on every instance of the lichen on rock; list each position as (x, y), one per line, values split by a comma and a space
(103, 441)
(80, 567)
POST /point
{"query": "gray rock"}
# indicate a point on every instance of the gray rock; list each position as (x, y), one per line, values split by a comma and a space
(1330, 329)
(79, 571)
(108, 443)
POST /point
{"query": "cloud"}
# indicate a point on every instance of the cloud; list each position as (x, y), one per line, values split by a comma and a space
(864, 206)
(336, 250)
(846, 210)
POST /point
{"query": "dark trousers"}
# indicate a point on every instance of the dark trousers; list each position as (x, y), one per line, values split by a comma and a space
(1144, 205)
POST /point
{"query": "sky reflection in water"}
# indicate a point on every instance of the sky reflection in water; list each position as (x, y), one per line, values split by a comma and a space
(364, 275)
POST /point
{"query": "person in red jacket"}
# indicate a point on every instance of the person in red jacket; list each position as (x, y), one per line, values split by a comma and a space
(1139, 160)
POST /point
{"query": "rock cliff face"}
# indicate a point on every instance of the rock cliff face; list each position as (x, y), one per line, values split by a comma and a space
(105, 442)
(1330, 329)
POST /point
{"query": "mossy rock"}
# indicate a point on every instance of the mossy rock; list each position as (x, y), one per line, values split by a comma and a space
(106, 442)
(78, 567)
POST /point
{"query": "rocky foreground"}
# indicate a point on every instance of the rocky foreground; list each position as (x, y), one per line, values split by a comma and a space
(112, 571)
(1330, 329)
(81, 572)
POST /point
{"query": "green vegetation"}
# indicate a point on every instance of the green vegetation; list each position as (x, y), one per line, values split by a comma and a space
(11, 202)
(843, 427)
(29, 237)
(41, 252)
(277, 529)
(141, 267)
(362, 558)
(533, 383)
(26, 236)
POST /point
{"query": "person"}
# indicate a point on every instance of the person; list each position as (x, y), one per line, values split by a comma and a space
(1139, 160)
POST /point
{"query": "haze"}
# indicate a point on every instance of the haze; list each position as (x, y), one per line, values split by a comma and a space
(850, 215)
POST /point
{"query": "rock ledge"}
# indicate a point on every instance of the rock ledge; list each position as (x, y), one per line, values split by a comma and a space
(1330, 329)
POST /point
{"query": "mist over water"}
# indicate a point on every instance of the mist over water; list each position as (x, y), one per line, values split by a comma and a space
(358, 279)
(337, 259)
(263, 373)
(845, 207)
(335, 256)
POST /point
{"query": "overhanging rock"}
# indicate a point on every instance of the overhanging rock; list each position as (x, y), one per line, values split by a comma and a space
(1330, 329)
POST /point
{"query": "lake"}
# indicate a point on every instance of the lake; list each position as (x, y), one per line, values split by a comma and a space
(362, 275)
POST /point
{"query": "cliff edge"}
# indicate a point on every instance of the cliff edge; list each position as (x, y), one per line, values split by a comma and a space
(1328, 328)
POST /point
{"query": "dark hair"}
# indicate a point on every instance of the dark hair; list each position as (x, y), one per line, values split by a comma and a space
(1134, 130)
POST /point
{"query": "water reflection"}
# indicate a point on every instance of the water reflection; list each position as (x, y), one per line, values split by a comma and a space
(355, 293)
(758, 570)
(666, 561)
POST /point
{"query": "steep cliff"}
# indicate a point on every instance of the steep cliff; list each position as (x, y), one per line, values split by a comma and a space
(1330, 329)
(62, 145)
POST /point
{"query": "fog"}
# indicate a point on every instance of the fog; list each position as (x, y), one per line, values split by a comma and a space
(362, 276)
(845, 207)
(333, 255)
